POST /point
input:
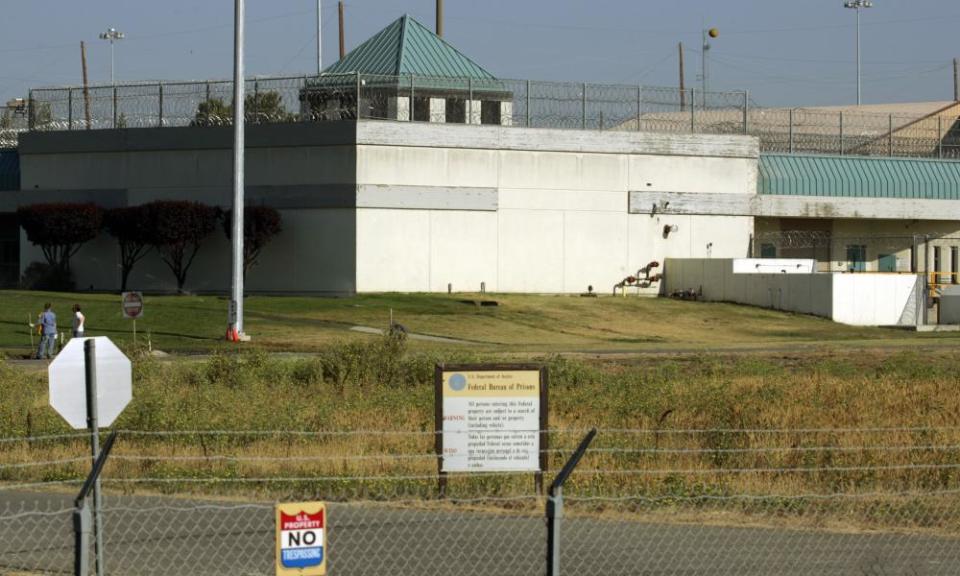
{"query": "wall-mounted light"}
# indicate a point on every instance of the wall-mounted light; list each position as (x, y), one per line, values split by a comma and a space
(668, 228)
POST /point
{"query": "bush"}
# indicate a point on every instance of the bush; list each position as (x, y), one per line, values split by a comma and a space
(42, 276)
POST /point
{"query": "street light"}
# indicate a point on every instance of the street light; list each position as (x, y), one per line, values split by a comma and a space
(707, 34)
(857, 5)
(112, 34)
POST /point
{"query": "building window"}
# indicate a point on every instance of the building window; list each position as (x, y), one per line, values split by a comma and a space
(456, 111)
(421, 109)
(768, 250)
(489, 112)
(857, 257)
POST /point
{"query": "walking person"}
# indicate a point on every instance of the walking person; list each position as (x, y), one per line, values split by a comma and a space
(78, 320)
(48, 332)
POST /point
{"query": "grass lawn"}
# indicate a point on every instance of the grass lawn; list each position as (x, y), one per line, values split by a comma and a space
(519, 324)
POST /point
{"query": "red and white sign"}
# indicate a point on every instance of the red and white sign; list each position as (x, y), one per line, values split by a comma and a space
(132, 304)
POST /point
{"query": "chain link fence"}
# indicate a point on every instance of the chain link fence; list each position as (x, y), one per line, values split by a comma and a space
(13, 121)
(866, 501)
(564, 105)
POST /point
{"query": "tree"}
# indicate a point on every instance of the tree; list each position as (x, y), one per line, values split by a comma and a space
(260, 225)
(258, 107)
(132, 229)
(213, 112)
(176, 229)
(60, 230)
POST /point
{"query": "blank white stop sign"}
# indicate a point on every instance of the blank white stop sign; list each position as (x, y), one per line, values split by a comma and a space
(67, 375)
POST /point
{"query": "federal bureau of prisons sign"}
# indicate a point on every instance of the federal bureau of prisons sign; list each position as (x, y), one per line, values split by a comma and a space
(491, 418)
(301, 539)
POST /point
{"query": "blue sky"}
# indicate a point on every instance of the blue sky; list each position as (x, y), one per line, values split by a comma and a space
(785, 53)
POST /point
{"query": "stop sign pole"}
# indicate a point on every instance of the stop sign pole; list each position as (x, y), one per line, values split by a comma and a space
(90, 372)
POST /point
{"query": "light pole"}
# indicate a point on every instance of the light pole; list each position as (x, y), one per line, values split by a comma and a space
(319, 37)
(235, 313)
(707, 34)
(112, 34)
(857, 5)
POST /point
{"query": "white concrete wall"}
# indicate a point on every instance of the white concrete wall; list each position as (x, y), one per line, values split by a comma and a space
(561, 225)
(874, 300)
(856, 299)
(774, 266)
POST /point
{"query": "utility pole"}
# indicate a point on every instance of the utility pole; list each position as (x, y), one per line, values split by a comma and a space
(440, 18)
(319, 37)
(340, 14)
(86, 85)
(683, 93)
(235, 313)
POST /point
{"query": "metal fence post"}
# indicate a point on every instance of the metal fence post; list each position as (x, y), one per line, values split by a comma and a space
(256, 100)
(940, 137)
(693, 107)
(841, 133)
(412, 106)
(31, 111)
(554, 508)
(746, 104)
(790, 129)
(583, 107)
(82, 517)
(639, 106)
(114, 106)
(890, 135)
(470, 101)
(69, 108)
(358, 95)
(160, 107)
(528, 104)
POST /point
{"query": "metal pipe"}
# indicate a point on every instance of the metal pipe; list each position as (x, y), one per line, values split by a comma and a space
(90, 373)
(319, 36)
(340, 18)
(235, 313)
(440, 18)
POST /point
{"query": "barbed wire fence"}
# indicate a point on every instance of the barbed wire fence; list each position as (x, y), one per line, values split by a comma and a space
(876, 501)
(563, 105)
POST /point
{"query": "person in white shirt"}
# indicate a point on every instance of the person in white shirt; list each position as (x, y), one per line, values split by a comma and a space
(78, 320)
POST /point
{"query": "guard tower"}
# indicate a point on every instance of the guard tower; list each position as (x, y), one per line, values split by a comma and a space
(406, 72)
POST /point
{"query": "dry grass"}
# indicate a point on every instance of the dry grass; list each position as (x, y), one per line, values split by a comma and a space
(529, 324)
(756, 437)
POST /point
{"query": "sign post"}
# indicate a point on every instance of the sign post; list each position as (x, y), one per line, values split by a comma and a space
(131, 303)
(491, 418)
(301, 539)
(90, 385)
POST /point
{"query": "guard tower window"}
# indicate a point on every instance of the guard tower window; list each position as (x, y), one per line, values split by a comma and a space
(456, 111)
(421, 109)
(489, 112)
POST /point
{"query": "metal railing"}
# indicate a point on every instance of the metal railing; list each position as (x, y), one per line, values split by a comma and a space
(881, 500)
(525, 103)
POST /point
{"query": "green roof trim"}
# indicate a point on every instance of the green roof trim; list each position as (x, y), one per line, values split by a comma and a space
(407, 47)
(859, 177)
(9, 170)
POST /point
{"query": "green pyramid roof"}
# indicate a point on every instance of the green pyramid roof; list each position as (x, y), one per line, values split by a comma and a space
(407, 47)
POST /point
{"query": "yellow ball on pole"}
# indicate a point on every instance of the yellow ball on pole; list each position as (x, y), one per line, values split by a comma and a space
(713, 32)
